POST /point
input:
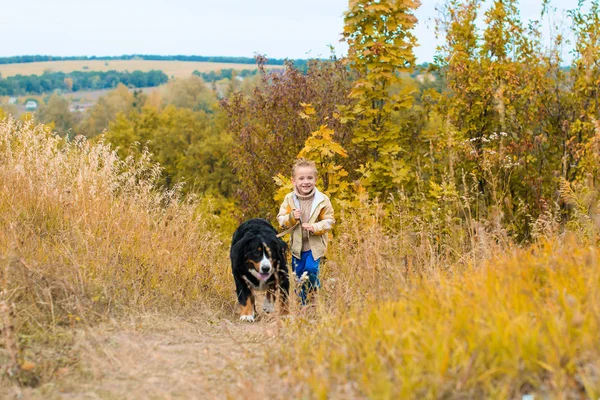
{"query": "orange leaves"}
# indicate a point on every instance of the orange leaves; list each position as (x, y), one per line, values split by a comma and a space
(378, 7)
(28, 366)
(321, 141)
(325, 151)
(307, 111)
(284, 186)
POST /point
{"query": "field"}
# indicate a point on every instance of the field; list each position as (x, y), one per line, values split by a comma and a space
(112, 288)
(175, 69)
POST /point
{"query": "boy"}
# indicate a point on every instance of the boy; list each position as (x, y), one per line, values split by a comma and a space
(310, 213)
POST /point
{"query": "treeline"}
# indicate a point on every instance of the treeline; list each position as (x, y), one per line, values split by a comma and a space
(78, 80)
(228, 73)
(153, 57)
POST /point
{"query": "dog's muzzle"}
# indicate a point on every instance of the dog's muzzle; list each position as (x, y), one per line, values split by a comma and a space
(266, 268)
(265, 265)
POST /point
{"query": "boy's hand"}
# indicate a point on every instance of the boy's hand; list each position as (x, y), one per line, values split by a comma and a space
(308, 227)
(296, 214)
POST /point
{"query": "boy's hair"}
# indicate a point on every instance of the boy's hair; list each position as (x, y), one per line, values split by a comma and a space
(303, 162)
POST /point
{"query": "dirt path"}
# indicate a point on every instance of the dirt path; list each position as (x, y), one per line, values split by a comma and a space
(158, 357)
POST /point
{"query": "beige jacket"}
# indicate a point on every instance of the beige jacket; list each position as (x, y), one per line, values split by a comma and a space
(321, 218)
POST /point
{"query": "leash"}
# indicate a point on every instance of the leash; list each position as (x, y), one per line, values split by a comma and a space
(280, 234)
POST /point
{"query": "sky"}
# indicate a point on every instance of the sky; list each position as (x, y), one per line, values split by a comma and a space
(277, 28)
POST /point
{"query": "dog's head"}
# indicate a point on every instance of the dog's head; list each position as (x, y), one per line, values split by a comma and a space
(261, 256)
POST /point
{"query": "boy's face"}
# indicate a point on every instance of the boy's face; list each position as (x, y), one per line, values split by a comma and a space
(304, 180)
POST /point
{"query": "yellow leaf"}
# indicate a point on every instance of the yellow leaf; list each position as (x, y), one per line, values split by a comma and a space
(28, 366)
(308, 108)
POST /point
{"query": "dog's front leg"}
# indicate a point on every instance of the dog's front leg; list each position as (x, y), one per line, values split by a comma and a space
(269, 304)
(247, 312)
(245, 301)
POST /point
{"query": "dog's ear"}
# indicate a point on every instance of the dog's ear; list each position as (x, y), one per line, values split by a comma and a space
(279, 248)
(238, 250)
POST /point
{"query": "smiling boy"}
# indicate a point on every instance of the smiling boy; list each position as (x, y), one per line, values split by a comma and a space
(310, 213)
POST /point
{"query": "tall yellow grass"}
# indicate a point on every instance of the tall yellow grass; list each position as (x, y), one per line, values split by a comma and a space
(525, 323)
(84, 233)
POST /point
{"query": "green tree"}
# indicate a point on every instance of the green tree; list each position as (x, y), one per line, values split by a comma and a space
(585, 73)
(106, 109)
(57, 112)
(381, 44)
(494, 107)
(186, 143)
(191, 93)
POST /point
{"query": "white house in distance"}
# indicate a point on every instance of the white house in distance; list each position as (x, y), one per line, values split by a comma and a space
(31, 105)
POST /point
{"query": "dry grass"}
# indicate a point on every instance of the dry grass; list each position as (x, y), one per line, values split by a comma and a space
(525, 323)
(177, 69)
(84, 235)
(77, 212)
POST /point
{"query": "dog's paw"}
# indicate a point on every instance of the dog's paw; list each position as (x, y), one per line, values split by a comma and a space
(268, 306)
(247, 318)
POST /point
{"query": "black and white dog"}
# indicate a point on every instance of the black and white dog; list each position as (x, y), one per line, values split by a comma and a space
(258, 262)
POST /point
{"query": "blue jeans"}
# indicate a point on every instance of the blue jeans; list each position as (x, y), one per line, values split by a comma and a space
(306, 264)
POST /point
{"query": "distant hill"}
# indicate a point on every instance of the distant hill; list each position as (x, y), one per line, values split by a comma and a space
(37, 74)
(170, 68)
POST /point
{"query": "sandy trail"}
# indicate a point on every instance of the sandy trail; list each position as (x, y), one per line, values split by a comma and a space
(158, 357)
